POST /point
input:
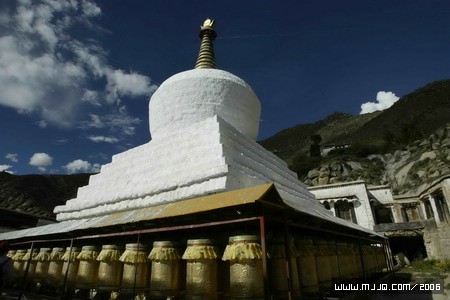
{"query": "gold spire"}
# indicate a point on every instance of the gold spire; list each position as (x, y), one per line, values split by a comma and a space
(205, 58)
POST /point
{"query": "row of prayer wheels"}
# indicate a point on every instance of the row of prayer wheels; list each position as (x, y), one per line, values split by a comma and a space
(314, 266)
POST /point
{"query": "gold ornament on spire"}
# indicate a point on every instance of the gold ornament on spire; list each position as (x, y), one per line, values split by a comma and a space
(206, 58)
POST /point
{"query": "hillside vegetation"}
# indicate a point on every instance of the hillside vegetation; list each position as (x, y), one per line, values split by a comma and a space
(413, 117)
(405, 146)
(38, 194)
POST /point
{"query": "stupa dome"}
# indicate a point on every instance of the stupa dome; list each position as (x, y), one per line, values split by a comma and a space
(195, 95)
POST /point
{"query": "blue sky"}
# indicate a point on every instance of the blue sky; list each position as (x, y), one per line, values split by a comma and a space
(76, 75)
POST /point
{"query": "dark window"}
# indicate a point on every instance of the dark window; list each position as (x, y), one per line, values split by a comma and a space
(345, 210)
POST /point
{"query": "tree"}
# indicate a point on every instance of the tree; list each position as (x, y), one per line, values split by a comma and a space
(314, 148)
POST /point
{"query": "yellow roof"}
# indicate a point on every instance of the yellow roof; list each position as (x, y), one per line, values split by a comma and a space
(189, 206)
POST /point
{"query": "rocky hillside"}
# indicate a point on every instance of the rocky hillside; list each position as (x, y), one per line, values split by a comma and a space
(38, 194)
(405, 170)
(413, 117)
(338, 127)
(404, 146)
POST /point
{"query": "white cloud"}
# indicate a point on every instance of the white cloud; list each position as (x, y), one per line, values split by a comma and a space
(96, 168)
(12, 157)
(119, 121)
(81, 166)
(92, 97)
(126, 84)
(384, 100)
(41, 161)
(42, 124)
(101, 138)
(6, 169)
(48, 72)
(90, 9)
(61, 141)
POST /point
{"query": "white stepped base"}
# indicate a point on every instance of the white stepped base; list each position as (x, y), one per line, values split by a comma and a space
(207, 157)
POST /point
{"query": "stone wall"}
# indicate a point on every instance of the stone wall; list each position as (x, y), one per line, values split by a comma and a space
(356, 189)
(437, 241)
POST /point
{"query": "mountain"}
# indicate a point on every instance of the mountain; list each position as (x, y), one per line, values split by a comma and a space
(416, 165)
(405, 146)
(337, 127)
(412, 117)
(37, 195)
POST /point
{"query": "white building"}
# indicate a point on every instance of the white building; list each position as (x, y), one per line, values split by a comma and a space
(422, 214)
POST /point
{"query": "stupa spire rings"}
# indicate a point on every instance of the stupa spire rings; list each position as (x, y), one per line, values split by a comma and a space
(206, 58)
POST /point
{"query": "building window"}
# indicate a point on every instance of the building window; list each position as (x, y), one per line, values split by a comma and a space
(442, 207)
(428, 209)
(405, 216)
(345, 210)
(383, 215)
(410, 212)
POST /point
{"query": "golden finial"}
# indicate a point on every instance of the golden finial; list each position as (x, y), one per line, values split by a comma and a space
(205, 58)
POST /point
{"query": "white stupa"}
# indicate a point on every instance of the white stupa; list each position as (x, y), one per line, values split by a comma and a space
(204, 123)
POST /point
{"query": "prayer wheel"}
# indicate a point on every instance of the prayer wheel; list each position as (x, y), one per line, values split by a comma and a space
(11, 253)
(55, 266)
(9, 280)
(368, 259)
(18, 263)
(278, 272)
(246, 275)
(373, 259)
(88, 267)
(110, 268)
(381, 260)
(165, 274)
(70, 266)
(43, 261)
(201, 269)
(306, 265)
(365, 259)
(344, 255)
(334, 262)
(357, 270)
(323, 257)
(30, 264)
(135, 267)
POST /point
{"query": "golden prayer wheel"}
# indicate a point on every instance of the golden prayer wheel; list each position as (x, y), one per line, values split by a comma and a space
(88, 267)
(380, 258)
(9, 280)
(357, 270)
(246, 275)
(110, 268)
(11, 253)
(30, 264)
(43, 261)
(323, 257)
(70, 266)
(135, 266)
(365, 259)
(344, 255)
(18, 263)
(55, 265)
(165, 274)
(373, 259)
(201, 268)
(278, 272)
(334, 262)
(306, 265)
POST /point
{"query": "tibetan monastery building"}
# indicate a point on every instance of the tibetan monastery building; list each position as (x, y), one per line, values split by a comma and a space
(201, 211)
